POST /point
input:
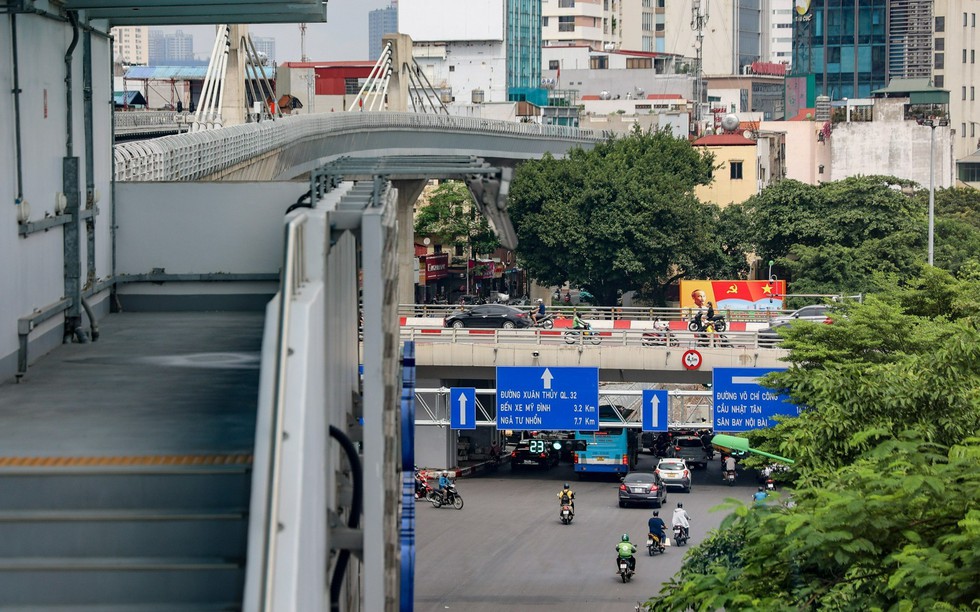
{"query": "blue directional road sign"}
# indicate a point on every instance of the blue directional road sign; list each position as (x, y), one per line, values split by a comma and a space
(462, 408)
(654, 410)
(741, 403)
(547, 398)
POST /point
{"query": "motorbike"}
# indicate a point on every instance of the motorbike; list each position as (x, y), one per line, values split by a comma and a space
(730, 477)
(700, 323)
(655, 545)
(545, 322)
(624, 569)
(680, 535)
(452, 498)
(770, 485)
(660, 336)
(566, 514)
(423, 490)
(573, 336)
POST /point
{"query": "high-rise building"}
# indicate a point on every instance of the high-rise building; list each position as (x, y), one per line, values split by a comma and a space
(265, 44)
(731, 30)
(131, 45)
(849, 49)
(487, 51)
(777, 26)
(593, 23)
(171, 49)
(380, 22)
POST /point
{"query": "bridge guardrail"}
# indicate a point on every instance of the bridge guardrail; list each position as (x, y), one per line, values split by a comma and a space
(195, 155)
(604, 313)
(606, 337)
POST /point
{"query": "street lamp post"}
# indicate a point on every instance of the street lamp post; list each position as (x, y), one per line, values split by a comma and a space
(932, 124)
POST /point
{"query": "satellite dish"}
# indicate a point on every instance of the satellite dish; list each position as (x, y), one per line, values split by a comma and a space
(640, 92)
(748, 134)
(708, 131)
(729, 123)
(604, 95)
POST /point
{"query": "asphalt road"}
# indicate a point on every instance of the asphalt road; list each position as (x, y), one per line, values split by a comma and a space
(507, 550)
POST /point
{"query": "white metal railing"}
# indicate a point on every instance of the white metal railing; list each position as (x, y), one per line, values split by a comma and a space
(137, 119)
(604, 313)
(193, 156)
(599, 337)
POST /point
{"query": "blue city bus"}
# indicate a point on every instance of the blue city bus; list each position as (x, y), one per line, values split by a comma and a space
(613, 449)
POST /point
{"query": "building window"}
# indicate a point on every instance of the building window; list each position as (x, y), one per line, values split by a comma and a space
(660, 27)
(553, 64)
(964, 56)
(352, 86)
(973, 56)
(452, 68)
(939, 80)
(939, 61)
(599, 62)
(962, 130)
(940, 24)
(964, 93)
(639, 63)
(973, 129)
(972, 93)
(736, 170)
(647, 22)
(647, 3)
(940, 44)
(566, 3)
(964, 20)
(566, 23)
(661, 3)
(544, 22)
(973, 20)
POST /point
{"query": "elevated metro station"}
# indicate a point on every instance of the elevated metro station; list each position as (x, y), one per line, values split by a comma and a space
(184, 423)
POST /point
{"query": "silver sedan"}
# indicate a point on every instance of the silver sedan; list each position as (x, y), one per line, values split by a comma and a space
(675, 473)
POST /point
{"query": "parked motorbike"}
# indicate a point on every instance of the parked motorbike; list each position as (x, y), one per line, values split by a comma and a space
(680, 535)
(655, 545)
(574, 336)
(452, 498)
(566, 514)
(624, 569)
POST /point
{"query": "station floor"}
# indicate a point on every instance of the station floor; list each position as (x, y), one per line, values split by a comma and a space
(166, 385)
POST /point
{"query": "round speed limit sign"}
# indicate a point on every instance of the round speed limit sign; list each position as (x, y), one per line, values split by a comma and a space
(691, 359)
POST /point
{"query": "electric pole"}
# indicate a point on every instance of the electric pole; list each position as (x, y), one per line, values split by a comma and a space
(699, 18)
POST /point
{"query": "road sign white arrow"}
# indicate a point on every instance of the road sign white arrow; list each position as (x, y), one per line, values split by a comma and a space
(655, 404)
(462, 409)
(547, 378)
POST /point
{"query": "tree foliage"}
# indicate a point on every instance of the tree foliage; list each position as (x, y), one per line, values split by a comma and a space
(885, 512)
(838, 237)
(451, 217)
(620, 217)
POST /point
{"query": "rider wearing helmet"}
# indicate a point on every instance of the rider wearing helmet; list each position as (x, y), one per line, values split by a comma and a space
(538, 313)
(759, 496)
(567, 496)
(625, 550)
(682, 518)
(657, 528)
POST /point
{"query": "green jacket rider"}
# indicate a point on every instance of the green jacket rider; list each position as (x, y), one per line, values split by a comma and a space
(626, 550)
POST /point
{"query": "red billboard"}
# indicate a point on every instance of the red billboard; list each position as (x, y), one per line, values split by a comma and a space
(436, 266)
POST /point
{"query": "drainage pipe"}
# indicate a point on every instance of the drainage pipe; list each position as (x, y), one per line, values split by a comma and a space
(16, 92)
(70, 182)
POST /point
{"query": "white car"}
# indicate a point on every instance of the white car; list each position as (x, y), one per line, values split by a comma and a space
(675, 473)
(818, 313)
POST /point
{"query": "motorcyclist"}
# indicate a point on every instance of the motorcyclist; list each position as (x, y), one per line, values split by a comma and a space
(578, 323)
(682, 518)
(539, 312)
(759, 497)
(444, 483)
(567, 496)
(729, 465)
(657, 528)
(625, 550)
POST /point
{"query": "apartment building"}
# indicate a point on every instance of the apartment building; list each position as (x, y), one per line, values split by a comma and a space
(955, 68)
(131, 45)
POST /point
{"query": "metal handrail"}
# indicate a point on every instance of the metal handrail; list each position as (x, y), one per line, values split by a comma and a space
(293, 277)
(604, 313)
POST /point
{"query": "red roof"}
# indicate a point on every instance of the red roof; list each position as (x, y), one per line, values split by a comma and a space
(802, 115)
(722, 140)
(590, 97)
(350, 64)
(664, 97)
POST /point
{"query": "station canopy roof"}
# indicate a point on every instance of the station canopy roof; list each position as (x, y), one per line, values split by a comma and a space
(199, 12)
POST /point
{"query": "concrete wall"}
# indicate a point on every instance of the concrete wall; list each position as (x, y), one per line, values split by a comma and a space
(623, 123)
(805, 153)
(895, 148)
(201, 228)
(34, 265)
(476, 65)
(724, 190)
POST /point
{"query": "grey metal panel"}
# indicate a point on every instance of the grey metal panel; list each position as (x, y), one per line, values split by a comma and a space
(178, 12)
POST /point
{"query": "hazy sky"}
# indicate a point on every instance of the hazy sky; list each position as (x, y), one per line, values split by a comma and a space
(343, 37)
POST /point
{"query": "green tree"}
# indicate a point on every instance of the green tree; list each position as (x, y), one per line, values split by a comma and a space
(451, 217)
(838, 237)
(620, 217)
(885, 512)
